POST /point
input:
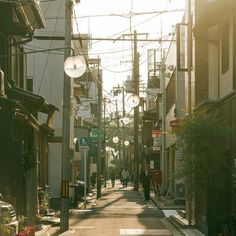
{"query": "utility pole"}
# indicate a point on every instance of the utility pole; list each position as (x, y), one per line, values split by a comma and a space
(104, 141)
(136, 114)
(163, 128)
(118, 131)
(123, 130)
(99, 148)
(189, 56)
(189, 202)
(122, 139)
(67, 126)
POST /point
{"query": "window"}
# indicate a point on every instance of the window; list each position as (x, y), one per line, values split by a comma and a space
(29, 84)
(225, 47)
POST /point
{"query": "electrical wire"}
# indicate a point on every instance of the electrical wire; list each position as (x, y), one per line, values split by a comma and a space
(138, 24)
(127, 15)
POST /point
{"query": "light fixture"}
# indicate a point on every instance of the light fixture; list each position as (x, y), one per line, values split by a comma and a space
(133, 100)
(115, 139)
(125, 120)
(110, 106)
(126, 143)
(75, 66)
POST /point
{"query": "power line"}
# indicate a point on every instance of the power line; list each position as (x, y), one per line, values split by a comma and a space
(131, 14)
(101, 39)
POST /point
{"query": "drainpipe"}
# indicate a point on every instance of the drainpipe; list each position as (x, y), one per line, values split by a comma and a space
(2, 89)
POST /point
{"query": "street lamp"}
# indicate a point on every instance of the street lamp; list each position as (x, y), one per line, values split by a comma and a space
(75, 66)
(115, 139)
(126, 143)
(133, 100)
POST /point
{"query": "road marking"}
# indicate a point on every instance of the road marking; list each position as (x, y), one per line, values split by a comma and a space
(163, 232)
(85, 227)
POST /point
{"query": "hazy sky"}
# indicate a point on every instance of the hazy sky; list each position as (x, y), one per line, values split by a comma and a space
(118, 18)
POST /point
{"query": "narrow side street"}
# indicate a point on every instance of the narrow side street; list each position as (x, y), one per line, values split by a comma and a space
(120, 211)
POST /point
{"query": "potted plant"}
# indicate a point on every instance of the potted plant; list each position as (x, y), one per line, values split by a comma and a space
(38, 222)
(5, 228)
(23, 231)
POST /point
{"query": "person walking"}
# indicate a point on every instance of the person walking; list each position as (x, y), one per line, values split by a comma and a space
(121, 180)
(125, 177)
(113, 178)
(146, 182)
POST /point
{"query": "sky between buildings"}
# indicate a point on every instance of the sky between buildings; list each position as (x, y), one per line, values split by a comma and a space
(118, 19)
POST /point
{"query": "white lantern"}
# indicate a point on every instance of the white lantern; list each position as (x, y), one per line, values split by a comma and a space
(75, 66)
(126, 143)
(115, 139)
(133, 100)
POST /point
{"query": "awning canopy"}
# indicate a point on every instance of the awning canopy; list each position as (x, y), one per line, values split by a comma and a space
(32, 102)
(20, 19)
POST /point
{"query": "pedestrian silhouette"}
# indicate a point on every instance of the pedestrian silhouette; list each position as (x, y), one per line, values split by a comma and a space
(113, 178)
(146, 182)
(125, 177)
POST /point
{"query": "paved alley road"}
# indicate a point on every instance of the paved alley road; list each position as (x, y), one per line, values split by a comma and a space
(120, 211)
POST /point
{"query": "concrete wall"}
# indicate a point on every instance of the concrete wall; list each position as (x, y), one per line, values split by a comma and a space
(46, 70)
(226, 81)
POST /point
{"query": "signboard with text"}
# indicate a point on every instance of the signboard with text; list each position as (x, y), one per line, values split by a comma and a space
(94, 135)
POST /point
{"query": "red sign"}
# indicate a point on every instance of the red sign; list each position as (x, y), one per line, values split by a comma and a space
(156, 177)
(156, 133)
(175, 124)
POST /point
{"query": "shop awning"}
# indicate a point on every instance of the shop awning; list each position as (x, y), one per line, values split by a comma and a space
(32, 102)
(22, 19)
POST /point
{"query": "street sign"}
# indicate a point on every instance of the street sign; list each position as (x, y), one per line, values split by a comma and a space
(94, 135)
(84, 141)
(84, 148)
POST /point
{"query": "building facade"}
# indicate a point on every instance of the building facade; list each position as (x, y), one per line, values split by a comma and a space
(24, 139)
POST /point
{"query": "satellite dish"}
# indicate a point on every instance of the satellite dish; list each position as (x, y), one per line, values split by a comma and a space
(133, 100)
(75, 66)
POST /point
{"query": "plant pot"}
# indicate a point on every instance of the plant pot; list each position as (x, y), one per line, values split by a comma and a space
(23, 233)
(38, 226)
(31, 230)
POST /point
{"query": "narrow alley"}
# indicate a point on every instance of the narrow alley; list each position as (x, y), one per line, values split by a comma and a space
(120, 211)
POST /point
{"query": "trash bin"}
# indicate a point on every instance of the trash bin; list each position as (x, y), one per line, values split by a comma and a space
(72, 194)
(80, 185)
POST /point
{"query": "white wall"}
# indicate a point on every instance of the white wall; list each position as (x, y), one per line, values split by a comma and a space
(47, 72)
(226, 79)
(213, 63)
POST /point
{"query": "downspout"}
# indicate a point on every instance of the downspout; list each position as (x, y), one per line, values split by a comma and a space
(2, 88)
